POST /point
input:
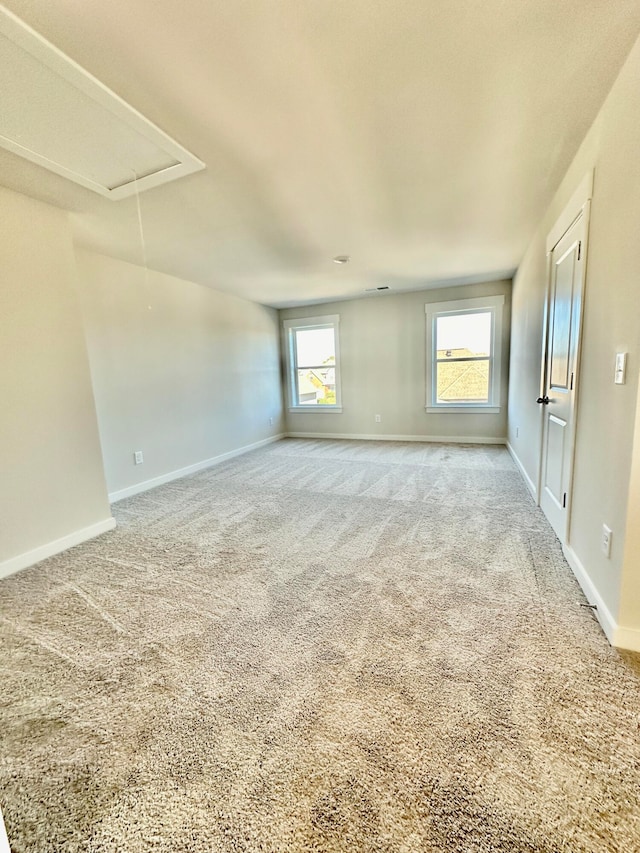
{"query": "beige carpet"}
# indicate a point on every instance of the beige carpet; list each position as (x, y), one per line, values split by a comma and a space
(320, 646)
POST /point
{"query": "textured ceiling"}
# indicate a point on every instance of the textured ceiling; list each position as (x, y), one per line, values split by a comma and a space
(422, 138)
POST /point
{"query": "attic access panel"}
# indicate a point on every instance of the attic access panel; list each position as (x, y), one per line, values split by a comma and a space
(59, 116)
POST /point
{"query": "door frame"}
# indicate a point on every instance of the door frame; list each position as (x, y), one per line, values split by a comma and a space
(579, 206)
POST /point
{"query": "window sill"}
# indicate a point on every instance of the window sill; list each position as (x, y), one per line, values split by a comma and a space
(459, 410)
(316, 410)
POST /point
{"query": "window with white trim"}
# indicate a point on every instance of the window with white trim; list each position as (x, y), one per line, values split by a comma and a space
(464, 350)
(313, 364)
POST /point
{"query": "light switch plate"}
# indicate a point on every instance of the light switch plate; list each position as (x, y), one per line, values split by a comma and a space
(621, 368)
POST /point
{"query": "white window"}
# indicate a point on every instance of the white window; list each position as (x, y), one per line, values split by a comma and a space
(464, 340)
(313, 364)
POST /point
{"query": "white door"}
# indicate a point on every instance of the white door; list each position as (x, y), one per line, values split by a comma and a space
(561, 377)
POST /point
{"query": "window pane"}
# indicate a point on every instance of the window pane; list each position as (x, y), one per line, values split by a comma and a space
(463, 381)
(317, 387)
(315, 347)
(464, 335)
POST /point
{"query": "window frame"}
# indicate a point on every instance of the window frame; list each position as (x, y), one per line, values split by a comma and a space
(478, 305)
(290, 328)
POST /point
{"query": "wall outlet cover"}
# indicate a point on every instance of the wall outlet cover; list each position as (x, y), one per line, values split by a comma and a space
(620, 377)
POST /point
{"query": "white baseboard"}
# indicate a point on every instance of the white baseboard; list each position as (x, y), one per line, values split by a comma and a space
(4, 841)
(603, 614)
(618, 635)
(527, 479)
(627, 638)
(30, 558)
(437, 439)
(145, 485)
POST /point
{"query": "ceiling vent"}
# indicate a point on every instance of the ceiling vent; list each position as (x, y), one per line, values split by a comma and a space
(57, 115)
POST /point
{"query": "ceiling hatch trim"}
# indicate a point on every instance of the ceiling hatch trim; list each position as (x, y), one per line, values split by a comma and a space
(57, 115)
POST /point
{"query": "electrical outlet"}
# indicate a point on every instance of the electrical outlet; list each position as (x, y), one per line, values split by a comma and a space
(270, 421)
(620, 377)
(517, 432)
(138, 458)
(605, 542)
(378, 419)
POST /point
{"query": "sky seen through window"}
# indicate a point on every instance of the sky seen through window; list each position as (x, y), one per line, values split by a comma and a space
(315, 347)
(465, 331)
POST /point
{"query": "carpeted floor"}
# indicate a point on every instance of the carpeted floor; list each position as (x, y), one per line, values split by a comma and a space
(320, 646)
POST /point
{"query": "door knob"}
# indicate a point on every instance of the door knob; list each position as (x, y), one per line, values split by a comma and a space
(545, 400)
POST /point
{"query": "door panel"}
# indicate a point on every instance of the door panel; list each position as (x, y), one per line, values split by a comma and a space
(564, 311)
(560, 320)
(556, 433)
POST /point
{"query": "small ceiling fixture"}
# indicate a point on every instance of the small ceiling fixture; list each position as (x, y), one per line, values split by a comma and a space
(341, 259)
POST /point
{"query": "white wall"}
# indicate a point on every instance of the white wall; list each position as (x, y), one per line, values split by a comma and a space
(51, 479)
(182, 372)
(606, 412)
(629, 614)
(383, 368)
